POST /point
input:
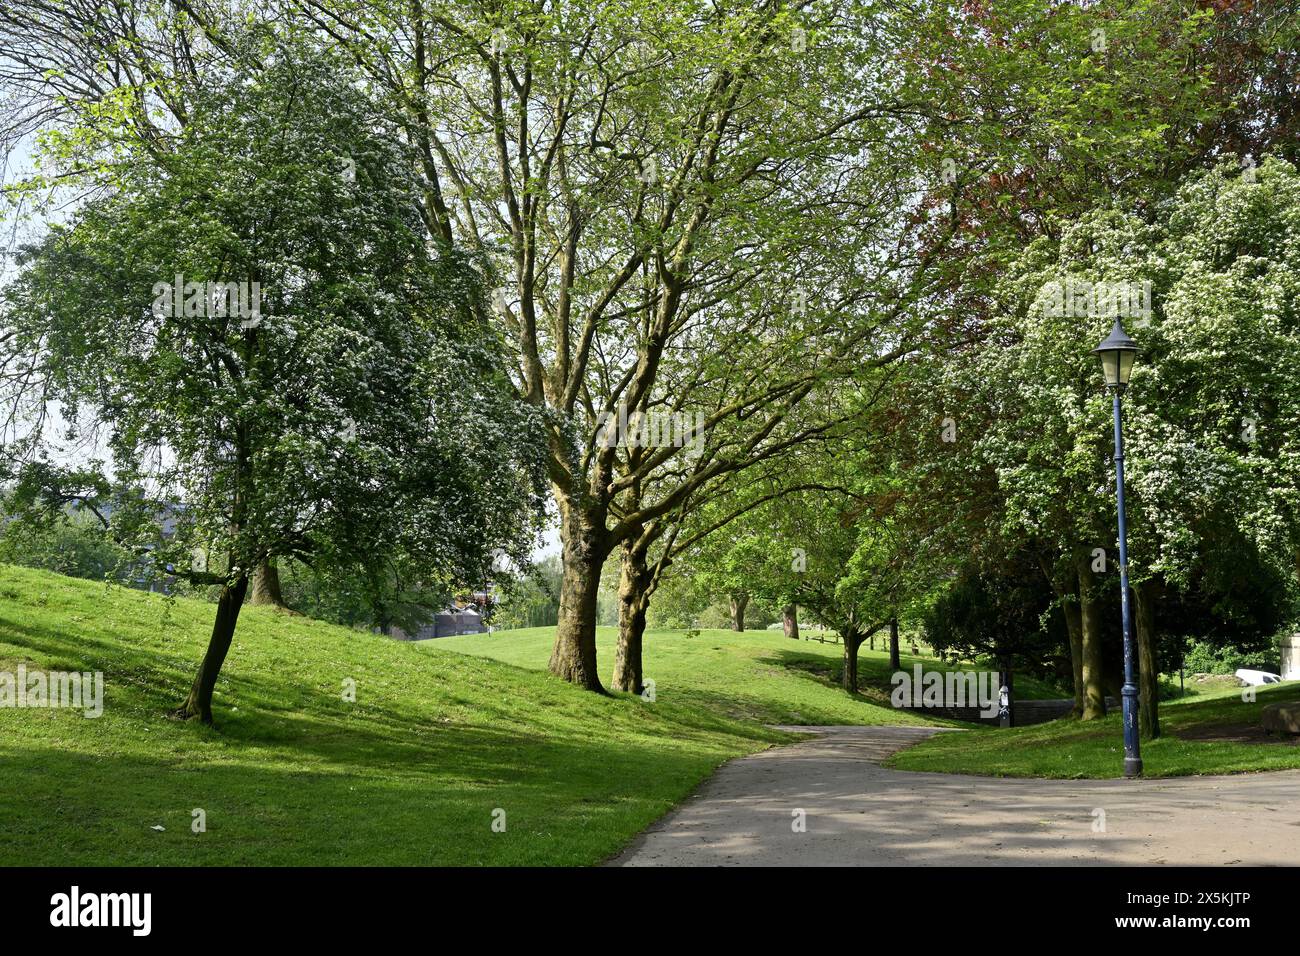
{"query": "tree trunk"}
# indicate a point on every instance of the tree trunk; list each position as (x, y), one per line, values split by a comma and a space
(266, 585)
(790, 621)
(632, 604)
(573, 656)
(1067, 594)
(1074, 628)
(894, 662)
(1144, 599)
(199, 702)
(849, 678)
(1094, 693)
(738, 603)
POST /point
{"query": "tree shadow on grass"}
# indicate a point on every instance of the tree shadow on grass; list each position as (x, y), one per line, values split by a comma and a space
(502, 703)
(874, 685)
(564, 803)
(410, 774)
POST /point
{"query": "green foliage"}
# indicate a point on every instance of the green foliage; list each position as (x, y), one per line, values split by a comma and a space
(1212, 415)
(678, 602)
(77, 546)
(1052, 107)
(1203, 657)
(530, 600)
(369, 595)
(997, 613)
(361, 418)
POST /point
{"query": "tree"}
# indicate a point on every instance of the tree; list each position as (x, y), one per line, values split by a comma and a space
(71, 543)
(1214, 425)
(327, 421)
(1218, 360)
(667, 245)
(1045, 127)
(825, 533)
(790, 621)
(996, 610)
(266, 585)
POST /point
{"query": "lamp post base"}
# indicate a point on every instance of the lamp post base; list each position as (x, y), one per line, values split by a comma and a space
(1132, 766)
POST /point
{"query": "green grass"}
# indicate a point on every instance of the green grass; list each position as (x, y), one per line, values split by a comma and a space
(1072, 749)
(759, 675)
(409, 774)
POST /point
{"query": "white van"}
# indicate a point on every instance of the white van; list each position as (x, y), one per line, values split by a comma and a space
(1257, 678)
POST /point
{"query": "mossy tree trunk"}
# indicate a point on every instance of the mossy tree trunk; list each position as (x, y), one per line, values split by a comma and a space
(790, 621)
(633, 601)
(853, 638)
(573, 657)
(852, 642)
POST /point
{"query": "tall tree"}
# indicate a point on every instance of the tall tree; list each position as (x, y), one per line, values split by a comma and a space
(254, 317)
(1208, 414)
(676, 219)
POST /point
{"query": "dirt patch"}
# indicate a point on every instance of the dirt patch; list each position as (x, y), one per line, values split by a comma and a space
(1235, 734)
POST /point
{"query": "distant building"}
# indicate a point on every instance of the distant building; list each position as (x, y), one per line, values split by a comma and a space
(465, 615)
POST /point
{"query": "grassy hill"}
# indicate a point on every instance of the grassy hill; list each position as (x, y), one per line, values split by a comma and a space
(410, 773)
(761, 675)
(440, 737)
(1210, 731)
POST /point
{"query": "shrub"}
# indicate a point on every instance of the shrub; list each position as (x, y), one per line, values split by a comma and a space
(1205, 658)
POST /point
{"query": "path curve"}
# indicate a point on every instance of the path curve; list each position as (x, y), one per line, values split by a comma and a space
(860, 814)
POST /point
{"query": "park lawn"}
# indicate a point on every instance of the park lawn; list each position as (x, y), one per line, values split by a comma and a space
(409, 774)
(758, 675)
(1067, 748)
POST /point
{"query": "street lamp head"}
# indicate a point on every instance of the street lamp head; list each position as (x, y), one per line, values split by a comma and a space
(1117, 353)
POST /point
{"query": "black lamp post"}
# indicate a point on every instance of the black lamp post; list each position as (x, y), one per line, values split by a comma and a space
(1117, 353)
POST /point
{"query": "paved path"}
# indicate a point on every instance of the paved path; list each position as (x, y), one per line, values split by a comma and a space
(860, 814)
